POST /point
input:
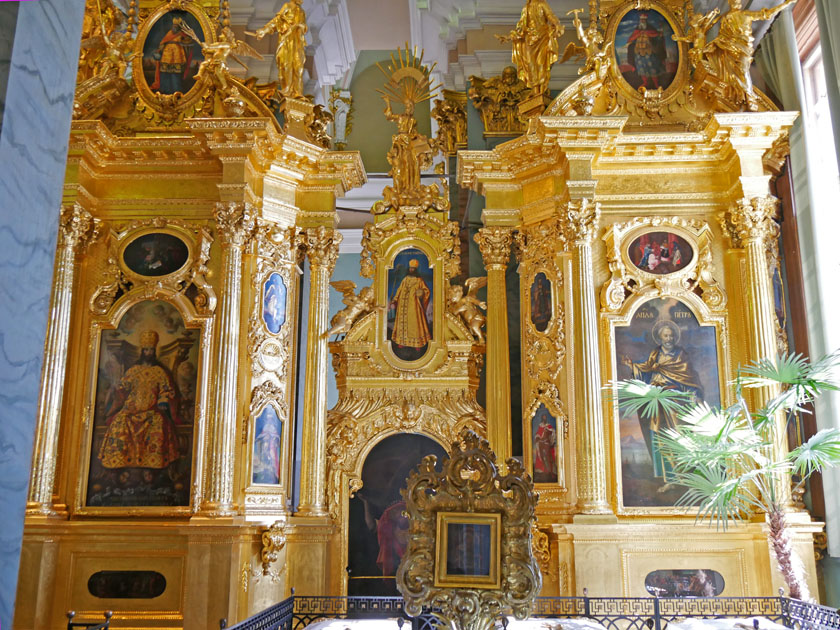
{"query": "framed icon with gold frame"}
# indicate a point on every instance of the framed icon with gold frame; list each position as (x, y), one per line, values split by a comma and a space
(468, 550)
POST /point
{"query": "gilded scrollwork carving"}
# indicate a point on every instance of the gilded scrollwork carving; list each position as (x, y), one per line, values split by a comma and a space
(541, 547)
(273, 541)
(451, 117)
(321, 246)
(190, 280)
(494, 243)
(470, 482)
(627, 279)
(235, 223)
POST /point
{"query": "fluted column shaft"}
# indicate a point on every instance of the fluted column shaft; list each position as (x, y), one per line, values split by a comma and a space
(750, 223)
(494, 243)
(581, 222)
(235, 224)
(76, 229)
(321, 247)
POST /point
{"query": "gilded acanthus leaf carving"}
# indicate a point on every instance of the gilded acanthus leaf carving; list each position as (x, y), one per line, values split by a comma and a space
(235, 223)
(494, 243)
(77, 227)
(581, 219)
(751, 219)
(321, 246)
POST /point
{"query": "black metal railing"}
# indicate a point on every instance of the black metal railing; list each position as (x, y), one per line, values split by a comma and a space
(613, 613)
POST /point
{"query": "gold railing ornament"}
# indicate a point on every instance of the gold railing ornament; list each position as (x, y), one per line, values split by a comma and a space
(469, 556)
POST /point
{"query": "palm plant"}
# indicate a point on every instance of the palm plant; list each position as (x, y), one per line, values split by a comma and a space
(733, 461)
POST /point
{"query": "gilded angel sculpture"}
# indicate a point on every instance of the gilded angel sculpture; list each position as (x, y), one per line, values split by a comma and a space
(598, 59)
(698, 27)
(356, 305)
(535, 45)
(467, 306)
(216, 55)
(290, 26)
(730, 54)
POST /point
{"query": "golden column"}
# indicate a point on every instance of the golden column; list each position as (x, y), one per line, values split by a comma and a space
(235, 223)
(581, 222)
(76, 229)
(321, 246)
(494, 243)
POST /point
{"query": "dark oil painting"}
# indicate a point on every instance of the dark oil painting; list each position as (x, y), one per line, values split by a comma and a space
(274, 303)
(155, 254)
(684, 583)
(468, 549)
(126, 584)
(660, 252)
(171, 55)
(144, 413)
(541, 302)
(544, 445)
(647, 55)
(410, 304)
(378, 530)
(664, 345)
(268, 443)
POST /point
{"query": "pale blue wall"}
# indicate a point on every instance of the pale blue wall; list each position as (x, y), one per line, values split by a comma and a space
(33, 152)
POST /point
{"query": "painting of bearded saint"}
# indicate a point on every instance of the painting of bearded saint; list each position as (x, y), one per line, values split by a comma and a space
(410, 301)
(663, 345)
(144, 410)
(646, 54)
(170, 55)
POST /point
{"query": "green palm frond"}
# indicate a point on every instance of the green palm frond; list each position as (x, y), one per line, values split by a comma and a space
(715, 494)
(822, 450)
(635, 396)
(800, 381)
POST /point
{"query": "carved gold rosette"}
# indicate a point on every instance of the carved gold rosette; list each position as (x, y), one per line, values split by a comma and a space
(469, 489)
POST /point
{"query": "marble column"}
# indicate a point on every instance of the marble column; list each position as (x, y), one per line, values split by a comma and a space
(77, 228)
(33, 152)
(321, 246)
(235, 224)
(494, 243)
(581, 222)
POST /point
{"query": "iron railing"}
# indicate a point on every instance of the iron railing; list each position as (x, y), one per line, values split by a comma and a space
(613, 613)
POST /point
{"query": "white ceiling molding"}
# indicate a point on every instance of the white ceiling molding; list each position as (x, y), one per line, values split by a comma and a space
(351, 241)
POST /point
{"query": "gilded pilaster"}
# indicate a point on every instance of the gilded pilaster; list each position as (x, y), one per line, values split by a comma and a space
(494, 243)
(581, 223)
(76, 229)
(235, 223)
(321, 247)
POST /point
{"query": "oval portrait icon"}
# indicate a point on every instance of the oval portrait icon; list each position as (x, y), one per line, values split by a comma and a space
(646, 54)
(660, 253)
(172, 53)
(156, 254)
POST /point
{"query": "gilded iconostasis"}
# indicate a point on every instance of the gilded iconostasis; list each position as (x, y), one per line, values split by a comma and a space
(238, 384)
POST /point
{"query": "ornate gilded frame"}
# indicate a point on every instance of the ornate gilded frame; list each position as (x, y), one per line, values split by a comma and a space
(168, 106)
(708, 307)
(110, 321)
(682, 75)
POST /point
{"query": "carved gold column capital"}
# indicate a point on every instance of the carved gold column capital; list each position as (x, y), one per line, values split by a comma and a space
(494, 244)
(321, 246)
(581, 219)
(751, 220)
(235, 223)
(77, 227)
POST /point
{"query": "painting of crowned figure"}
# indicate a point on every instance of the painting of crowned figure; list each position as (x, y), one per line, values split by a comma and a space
(410, 304)
(663, 345)
(647, 55)
(144, 411)
(172, 53)
(660, 253)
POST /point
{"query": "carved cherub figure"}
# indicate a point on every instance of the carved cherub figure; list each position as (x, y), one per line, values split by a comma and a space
(598, 59)
(730, 54)
(356, 306)
(467, 306)
(216, 55)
